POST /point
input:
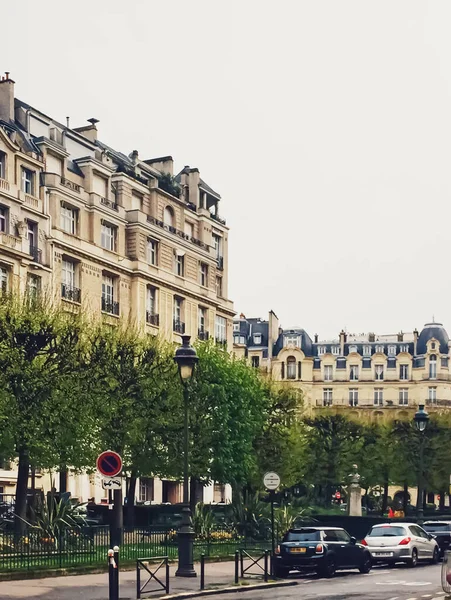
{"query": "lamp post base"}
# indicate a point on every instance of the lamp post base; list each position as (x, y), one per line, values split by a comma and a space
(185, 552)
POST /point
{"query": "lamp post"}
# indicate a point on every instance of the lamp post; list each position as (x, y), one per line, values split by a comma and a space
(186, 359)
(421, 419)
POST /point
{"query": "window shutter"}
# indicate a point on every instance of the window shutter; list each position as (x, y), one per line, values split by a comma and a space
(283, 370)
(299, 370)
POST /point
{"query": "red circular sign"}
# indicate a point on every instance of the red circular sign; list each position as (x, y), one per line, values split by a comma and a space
(338, 495)
(109, 463)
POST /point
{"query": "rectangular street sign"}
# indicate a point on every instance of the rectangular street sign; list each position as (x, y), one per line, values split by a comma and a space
(112, 483)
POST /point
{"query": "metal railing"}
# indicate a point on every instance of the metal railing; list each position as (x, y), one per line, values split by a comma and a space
(203, 335)
(111, 308)
(178, 326)
(220, 262)
(71, 293)
(152, 318)
(176, 231)
(36, 254)
(108, 203)
(142, 564)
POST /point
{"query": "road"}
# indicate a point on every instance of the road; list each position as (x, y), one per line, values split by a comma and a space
(397, 583)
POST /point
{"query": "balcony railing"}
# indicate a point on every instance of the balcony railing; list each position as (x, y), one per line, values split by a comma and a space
(152, 318)
(4, 185)
(70, 185)
(108, 203)
(176, 231)
(7, 239)
(110, 307)
(217, 218)
(438, 402)
(220, 262)
(36, 254)
(179, 326)
(71, 293)
(203, 335)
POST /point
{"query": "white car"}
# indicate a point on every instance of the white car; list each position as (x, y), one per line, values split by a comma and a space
(401, 542)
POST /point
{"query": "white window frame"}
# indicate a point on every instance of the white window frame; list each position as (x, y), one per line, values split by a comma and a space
(217, 239)
(379, 372)
(203, 274)
(257, 339)
(108, 289)
(380, 348)
(4, 279)
(432, 394)
(321, 350)
(202, 318)
(68, 273)
(404, 372)
(353, 396)
(220, 329)
(219, 287)
(366, 350)
(4, 219)
(68, 218)
(336, 350)
(378, 398)
(2, 165)
(33, 285)
(151, 300)
(328, 397)
(328, 373)
(292, 367)
(291, 340)
(180, 265)
(178, 307)
(352, 349)
(152, 251)
(236, 327)
(404, 348)
(433, 366)
(391, 350)
(354, 372)
(27, 181)
(403, 398)
(108, 236)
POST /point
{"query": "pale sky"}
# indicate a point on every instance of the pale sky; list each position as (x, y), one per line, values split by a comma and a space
(325, 125)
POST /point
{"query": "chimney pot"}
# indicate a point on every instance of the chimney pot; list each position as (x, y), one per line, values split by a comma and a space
(67, 122)
(316, 338)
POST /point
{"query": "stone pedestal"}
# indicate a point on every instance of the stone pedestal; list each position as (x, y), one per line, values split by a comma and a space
(354, 495)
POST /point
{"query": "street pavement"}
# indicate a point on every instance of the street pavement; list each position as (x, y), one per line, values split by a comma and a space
(398, 583)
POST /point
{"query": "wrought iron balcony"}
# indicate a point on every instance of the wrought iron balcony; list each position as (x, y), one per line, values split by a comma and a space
(179, 326)
(203, 335)
(152, 318)
(36, 254)
(108, 203)
(109, 307)
(220, 262)
(71, 293)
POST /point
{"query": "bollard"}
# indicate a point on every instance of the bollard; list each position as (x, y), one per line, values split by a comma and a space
(237, 558)
(116, 571)
(167, 575)
(113, 593)
(138, 580)
(266, 565)
(242, 563)
(202, 571)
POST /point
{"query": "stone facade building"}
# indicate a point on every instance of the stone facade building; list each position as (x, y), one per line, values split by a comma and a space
(109, 233)
(366, 375)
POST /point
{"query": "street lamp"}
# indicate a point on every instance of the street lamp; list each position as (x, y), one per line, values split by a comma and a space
(421, 419)
(186, 359)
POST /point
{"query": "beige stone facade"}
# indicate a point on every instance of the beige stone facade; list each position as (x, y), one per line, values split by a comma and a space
(107, 233)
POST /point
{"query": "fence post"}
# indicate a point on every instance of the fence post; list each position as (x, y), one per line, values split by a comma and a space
(202, 571)
(116, 571)
(242, 562)
(266, 565)
(237, 556)
(138, 580)
(167, 575)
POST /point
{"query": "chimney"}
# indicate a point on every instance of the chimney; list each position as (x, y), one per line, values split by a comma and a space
(88, 131)
(415, 340)
(371, 337)
(6, 98)
(134, 157)
(400, 336)
(316, 338)
(342, 342)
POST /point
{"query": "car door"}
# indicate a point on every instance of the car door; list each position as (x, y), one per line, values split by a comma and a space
(428, 544)
(351, 552)
(419, 541)
(334, 546)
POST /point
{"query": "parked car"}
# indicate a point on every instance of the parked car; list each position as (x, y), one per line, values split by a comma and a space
(320, 549)
(441, 530)
(401, 542)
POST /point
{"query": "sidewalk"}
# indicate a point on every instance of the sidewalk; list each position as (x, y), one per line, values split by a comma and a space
(95, 587)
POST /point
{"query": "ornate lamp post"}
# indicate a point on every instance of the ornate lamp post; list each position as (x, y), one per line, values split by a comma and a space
(186, 359)
(421, 419)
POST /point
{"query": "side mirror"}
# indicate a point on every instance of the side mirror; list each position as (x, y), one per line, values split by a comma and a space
(353, 540)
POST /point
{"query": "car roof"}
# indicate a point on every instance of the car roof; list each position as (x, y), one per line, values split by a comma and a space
(304, 529)
(437, 522)
(401, 524)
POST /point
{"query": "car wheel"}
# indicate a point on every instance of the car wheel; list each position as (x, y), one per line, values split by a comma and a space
(281, 572)
(413, 561)
(329, 568)
(367, 563)
(435, 556)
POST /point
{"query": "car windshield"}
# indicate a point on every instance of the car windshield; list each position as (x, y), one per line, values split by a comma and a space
(437, 526)
(308, 535)
(387, 531)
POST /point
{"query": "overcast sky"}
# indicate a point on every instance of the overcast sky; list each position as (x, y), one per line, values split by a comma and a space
(325, 125)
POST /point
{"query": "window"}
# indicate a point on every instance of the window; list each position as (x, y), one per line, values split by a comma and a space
(219, 286)
(2, 165)
(336, 350)
(321, 350)
(179, 326)
(32, 232)
(327, 396)
(180, 265)
(236, 327)
(33, 285)
(151, 301)
(152, 251)
(378, 396)
(366, 350)
(256, 361)
(403, 396)
(291, 340)
(352, 349)
(392, 351)
(354, 372)
(203, 274)
(4, 279)
(353, 396)
(4, 219)
(404, 348)
(168, 216)
(380, 349)
(432, 394)
(257, 338)
(328, 372)
(239, 339)
(433, 346)
(68, 219)
(189, 229)
(220, 329)
(291, 367)
(109, 235)
(68, 273)
(27, 181)
(109, 304)
(379, 372)
(202, 317)
(404, 372)
(217, 244)
(145, 489)
(432, 367)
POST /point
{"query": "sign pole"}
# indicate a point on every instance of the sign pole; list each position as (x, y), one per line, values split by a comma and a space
(109, 464)
(273, 542)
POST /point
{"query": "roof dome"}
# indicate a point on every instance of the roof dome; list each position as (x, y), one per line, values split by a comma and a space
(433, 330)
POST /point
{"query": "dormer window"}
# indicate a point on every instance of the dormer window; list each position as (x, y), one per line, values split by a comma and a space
(404, 348)
(236, 327)
(433, 346)
(432, 367)
(292, 340)
(336, 350)
(321, 350)
(257, 339)
(380, 349)
(352, 349)
(366, 350)
(392, 351)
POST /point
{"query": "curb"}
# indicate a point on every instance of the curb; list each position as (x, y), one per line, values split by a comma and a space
(231, 590)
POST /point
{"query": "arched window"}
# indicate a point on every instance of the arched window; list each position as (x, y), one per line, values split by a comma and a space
(291, 367)
(432, 367)
(168, 216)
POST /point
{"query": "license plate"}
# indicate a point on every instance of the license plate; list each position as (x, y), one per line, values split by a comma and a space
(382, 554)
(300, 550)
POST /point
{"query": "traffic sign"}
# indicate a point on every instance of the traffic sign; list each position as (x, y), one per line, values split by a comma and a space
(271, 480)
(109, 463)
(112, 483)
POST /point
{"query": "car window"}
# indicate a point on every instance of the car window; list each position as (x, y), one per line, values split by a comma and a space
(415, 530)
(387, 531)
(343, 536)
(422, 533)
(307, 535)
(331, 536)
(437, 526)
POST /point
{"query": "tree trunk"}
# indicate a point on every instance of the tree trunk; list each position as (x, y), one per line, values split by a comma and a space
(385, 498)
(63, 480)
(405, 498)
(441, 505)
(21, 493)
(131, 500)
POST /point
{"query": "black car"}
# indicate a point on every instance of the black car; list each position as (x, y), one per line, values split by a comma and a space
(320, 549)
(441, 530)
